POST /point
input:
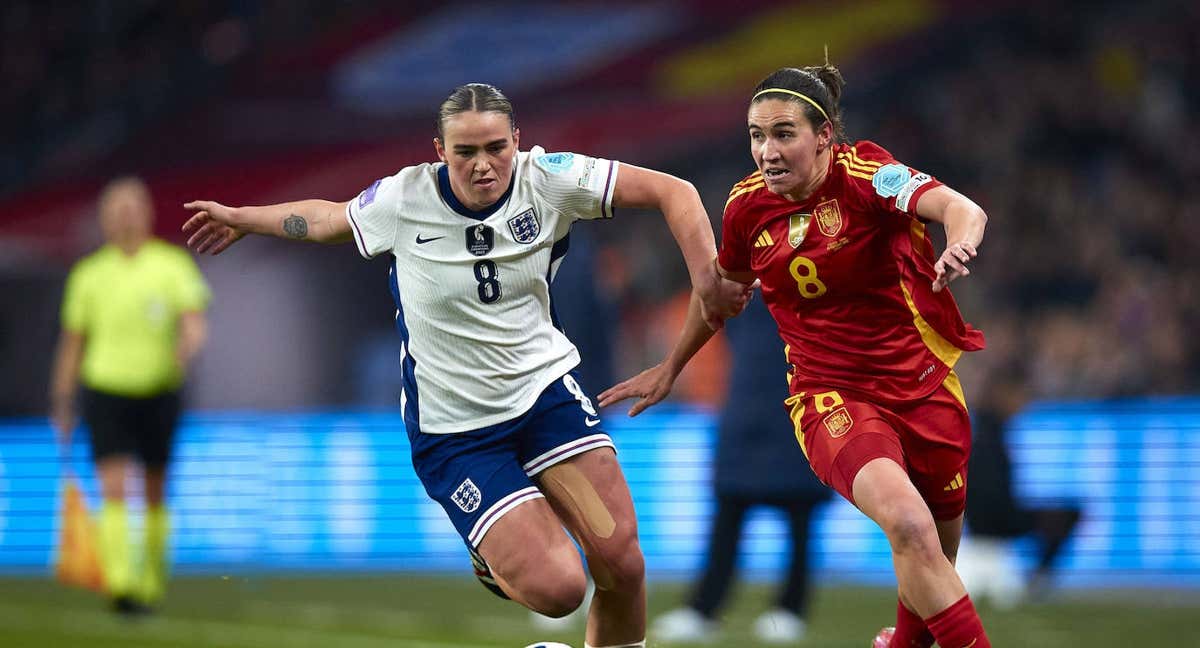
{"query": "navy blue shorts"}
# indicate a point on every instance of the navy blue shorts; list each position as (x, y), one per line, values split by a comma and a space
(479, 475)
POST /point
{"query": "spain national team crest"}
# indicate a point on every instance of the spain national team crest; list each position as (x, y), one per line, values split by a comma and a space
(838, 422)
(480, 239)
(525, 226)
(797, 228)
(467, 497)
(829, 218)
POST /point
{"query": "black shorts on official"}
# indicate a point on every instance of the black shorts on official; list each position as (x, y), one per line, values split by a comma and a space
(143, 428)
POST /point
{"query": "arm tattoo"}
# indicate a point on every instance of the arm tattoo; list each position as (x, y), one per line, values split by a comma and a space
(295, 227)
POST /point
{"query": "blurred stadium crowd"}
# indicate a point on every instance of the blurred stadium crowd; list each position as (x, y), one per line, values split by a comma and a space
(83, 79)
(1080, 136)
(1076, 125)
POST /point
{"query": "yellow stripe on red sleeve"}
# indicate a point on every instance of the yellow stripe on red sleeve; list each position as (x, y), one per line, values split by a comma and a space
(738, 191)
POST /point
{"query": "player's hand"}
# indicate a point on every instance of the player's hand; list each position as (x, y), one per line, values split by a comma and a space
(213, 227)
(721, 298)
(953, 264)
(649, 387)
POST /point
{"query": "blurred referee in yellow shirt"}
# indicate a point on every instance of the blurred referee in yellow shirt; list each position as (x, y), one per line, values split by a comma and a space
(132, 320)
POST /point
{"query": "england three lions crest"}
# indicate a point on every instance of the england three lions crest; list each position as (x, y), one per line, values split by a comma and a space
(467, 496)
(829, 218)
(525, 226)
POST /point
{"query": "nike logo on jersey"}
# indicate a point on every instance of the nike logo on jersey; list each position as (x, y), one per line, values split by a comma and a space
(422, 241)
(591, 422)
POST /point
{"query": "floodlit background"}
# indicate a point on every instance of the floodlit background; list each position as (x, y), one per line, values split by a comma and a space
(297, 516)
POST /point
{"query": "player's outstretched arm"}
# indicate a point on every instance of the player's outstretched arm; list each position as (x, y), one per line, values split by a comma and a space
(965, 222)
(214, 227)
(680, 204)
(654, 384)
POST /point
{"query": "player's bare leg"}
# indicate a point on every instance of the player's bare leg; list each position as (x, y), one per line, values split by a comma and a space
(926, 578)
(590, 495)
(534, 561)
(949, 534)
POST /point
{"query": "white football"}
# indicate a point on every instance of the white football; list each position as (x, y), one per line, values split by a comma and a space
(547, 644)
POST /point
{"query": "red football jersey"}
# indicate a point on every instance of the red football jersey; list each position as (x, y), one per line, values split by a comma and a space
(847, 275)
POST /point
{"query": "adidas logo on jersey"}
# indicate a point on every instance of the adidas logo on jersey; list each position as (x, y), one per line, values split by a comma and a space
(764, 240)
(955, 483)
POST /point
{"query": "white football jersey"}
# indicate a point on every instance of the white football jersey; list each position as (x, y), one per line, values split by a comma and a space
(472, 289)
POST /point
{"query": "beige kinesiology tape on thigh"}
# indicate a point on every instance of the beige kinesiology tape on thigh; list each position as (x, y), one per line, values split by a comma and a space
(582, 496)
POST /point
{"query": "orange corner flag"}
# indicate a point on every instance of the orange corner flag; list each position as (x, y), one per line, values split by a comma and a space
(78, 560)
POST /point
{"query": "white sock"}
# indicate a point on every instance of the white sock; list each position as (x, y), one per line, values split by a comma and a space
(636, 644)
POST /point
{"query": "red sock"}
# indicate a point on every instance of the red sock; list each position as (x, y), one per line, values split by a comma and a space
(910, 630)
(958, 626)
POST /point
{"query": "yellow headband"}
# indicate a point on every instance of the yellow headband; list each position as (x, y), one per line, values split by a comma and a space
(794, 94)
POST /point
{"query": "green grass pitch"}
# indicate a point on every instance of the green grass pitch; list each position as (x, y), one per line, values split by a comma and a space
(400, 610)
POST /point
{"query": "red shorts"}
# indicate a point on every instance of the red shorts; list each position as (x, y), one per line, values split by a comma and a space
(840, 431)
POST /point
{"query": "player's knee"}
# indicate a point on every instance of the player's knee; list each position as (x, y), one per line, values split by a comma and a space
(556, 594)
(621, 568)
(630, 570)
(911, 531)
(551, 582)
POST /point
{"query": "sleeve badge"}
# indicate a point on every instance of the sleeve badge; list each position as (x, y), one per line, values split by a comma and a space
(555, 162)
(889, 179)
